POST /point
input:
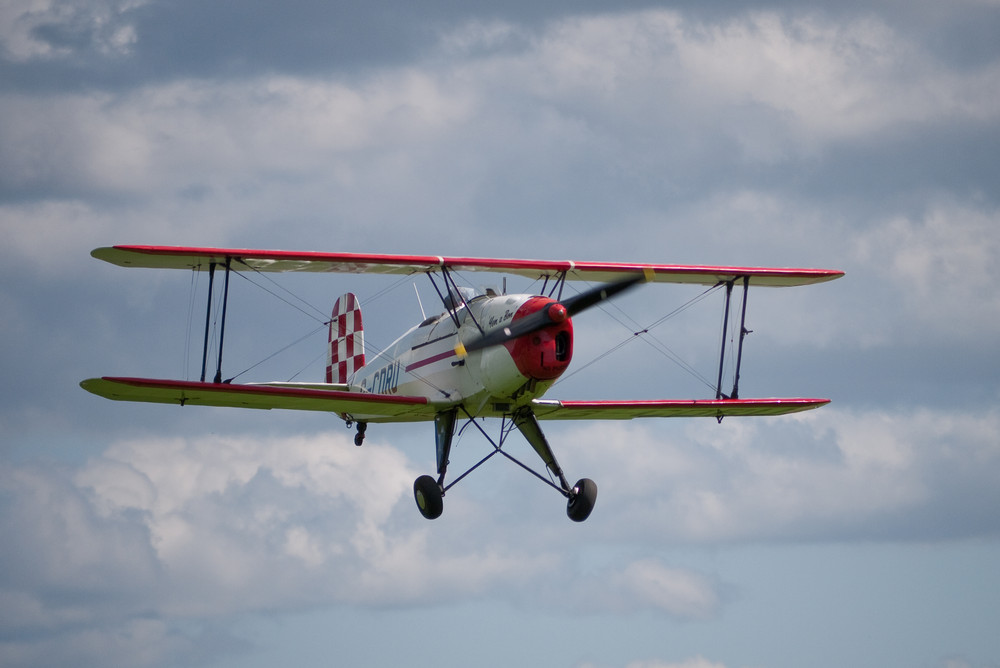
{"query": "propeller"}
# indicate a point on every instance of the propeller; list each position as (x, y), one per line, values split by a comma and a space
(553, 314)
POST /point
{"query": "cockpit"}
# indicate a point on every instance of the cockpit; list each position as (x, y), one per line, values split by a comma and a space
(467, 295)
(458, 297)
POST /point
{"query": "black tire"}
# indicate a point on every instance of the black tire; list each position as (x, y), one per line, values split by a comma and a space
(582, 500)
(429, 497)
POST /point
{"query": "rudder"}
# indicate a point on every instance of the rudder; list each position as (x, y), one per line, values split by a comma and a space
(346, 351)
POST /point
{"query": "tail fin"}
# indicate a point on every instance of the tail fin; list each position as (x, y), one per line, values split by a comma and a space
(346, 353)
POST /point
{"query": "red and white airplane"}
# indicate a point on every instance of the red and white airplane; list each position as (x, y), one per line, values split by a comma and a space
(487, 355)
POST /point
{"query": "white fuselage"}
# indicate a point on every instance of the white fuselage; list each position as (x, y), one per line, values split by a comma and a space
(492, 381)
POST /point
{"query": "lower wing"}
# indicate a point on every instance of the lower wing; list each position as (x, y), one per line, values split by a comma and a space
(627, 410)
(358, 406)
(355, 406)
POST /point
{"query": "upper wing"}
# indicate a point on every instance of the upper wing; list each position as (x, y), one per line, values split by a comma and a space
(309, 397)
(626, 410)
(171, 257)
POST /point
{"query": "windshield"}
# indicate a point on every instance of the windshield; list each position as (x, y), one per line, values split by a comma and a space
(465, 294)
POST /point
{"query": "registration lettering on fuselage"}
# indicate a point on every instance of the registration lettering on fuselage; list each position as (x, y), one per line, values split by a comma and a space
(385, 380)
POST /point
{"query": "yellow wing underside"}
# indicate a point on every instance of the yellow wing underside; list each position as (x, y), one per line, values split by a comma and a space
(359, 406)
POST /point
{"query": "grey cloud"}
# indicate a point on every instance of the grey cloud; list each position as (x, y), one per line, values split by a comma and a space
(123, 43)
(510, 131)
(837, 475)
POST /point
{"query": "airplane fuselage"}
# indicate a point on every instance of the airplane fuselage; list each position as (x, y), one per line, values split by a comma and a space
(424, 361)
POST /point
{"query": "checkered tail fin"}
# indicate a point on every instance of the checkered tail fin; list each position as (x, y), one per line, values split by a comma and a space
(346, 352)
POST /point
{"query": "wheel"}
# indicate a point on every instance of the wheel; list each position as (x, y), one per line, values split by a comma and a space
(429, 497)
(582, 500)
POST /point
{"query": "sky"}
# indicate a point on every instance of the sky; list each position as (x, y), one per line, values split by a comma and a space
(860, 136)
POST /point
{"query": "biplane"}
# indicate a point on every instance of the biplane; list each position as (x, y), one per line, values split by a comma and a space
(486, 355)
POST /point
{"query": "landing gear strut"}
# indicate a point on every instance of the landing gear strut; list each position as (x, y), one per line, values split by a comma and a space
(429, 493)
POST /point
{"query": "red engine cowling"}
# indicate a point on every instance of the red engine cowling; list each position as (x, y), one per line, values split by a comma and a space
(544, 354)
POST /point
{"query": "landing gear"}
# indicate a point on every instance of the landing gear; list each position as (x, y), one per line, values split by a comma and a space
(359, 437)
(429, 493)
(581, 497)
(429, 497)
(581, 500)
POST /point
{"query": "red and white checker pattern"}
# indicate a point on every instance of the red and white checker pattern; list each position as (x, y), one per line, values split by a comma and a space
(347, 340)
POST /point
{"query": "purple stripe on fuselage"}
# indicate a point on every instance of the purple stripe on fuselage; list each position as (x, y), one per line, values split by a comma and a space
(430, 360)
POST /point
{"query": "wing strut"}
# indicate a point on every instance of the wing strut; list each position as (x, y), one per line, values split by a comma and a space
(739, 351)
(743, 332)
(451, 287)
(222, 326)
(208, 318)
(560, 280)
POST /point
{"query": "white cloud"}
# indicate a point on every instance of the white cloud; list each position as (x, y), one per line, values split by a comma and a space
(179, 134)
(216, 525)
(228, 524)
(835, 474)
(794, 83)
(98, 23)
(642, 96)
(696, 662)
(941, 266)
(675, 591)
(498, 137)
(477, 35)
(172, 529)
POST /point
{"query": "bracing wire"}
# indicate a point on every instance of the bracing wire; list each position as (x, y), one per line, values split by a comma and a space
(645, 333)
(281, 350)
(309, 310)
(370, 348)
(274, 294)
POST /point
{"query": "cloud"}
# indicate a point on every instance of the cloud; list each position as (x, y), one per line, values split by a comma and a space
(800, 136)
(161, 530)
(143, 141)
(629, 97)
(677, 592)
(831, 79)
(218, 513)
(836, 475)
(940, 264)
(49, 29)
(76, 584)
(225, 515)
(696, 662)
